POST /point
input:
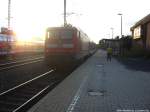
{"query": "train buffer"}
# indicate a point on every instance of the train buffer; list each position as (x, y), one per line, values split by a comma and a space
(99, 86)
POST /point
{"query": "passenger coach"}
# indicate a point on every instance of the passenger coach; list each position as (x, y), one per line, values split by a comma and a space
(66, 45)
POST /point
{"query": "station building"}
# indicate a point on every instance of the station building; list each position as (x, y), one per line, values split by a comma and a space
(141, 33)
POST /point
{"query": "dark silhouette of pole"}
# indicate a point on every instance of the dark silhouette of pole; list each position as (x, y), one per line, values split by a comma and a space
(65, 21)
(121, 26)
(121, 23)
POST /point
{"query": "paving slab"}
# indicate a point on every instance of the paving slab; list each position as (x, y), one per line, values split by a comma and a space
(99, 86)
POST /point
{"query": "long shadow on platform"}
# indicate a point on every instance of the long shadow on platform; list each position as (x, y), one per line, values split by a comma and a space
(137, 64)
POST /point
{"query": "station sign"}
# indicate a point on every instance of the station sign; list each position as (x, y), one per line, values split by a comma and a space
(137, 32)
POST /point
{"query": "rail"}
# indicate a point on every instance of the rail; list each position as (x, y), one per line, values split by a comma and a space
(26, 92)
(19, 63)
(14, 62)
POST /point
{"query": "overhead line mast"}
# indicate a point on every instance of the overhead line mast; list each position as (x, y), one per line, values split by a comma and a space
(65, 21)
(9, 13)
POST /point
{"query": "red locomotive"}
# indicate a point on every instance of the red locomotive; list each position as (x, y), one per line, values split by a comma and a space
(3, 45)
(9, 45)
(66, 45)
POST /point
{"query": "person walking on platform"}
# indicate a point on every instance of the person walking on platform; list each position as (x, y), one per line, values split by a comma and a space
(109, 53)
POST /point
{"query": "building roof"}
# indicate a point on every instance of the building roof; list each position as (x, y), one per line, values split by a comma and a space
(144, 20)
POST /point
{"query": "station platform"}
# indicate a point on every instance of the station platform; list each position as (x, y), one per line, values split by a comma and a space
(99, 86)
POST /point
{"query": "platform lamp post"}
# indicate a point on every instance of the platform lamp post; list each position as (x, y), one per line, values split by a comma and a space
(112, 31)
(121, 22)
(120, 48)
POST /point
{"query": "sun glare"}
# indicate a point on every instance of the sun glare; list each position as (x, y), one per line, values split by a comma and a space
(29, 34)
(21, 36)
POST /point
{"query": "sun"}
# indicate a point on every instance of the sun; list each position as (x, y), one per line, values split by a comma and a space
(22, 36)
(28, 34)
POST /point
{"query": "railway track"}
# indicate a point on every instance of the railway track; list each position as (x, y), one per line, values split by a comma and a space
(14, 64)
(21, 97)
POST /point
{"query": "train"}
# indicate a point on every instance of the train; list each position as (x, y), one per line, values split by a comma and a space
(10, 46)
(67, 46)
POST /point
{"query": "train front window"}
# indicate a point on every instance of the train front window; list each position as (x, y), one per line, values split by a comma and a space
(52, 35)
(63, 34)
(48, 35)
(66, 34)
(1, 38)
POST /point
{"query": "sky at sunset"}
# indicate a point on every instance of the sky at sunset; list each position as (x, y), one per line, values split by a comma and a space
(30, 18)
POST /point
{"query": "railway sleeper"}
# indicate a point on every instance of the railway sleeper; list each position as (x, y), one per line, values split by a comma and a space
(8, 107)
(13, 99)
(29, 91)
(18, 96)
(6, 103)
(6, 110)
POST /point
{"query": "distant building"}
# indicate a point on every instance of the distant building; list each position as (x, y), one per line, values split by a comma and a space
(113, 43)
(141, 33)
